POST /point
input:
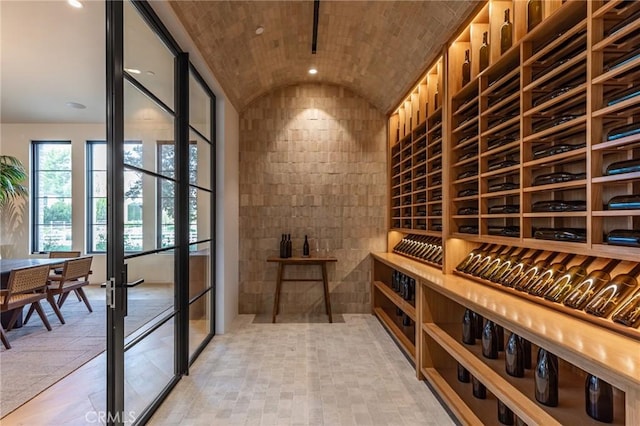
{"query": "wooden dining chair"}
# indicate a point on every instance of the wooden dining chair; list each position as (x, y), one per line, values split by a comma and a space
(26, 286)
(59, 254)
(3, 337)
(75, 275)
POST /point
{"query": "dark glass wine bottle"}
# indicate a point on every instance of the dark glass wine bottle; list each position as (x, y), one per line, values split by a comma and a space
(510, 277)
(436, 96)
(624, 237)
(606, 300)
(472, 257)
(485, 261)
(519, 421)
(505, 415)
(546, 378)
(598, 398)
(559, 206)
(477, 325)
(305, 247)
(283, 250)
(629, 313)
(479, 390)
(621, 167)
(505, 266)
(468, 328)
(564, 283)
(506, 33)
(529, 276)
(514, 356)
(589, 286)
(534, 13)
(490, 340)
(624, 202)
(495, 264)
(463, 374)
(484, 52)
(289, 246)
(558, 177)
(466, 69)
(526, 350)
(406, 320)
(547, 276)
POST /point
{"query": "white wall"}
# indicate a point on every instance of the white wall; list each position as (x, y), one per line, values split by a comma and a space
(227, 140)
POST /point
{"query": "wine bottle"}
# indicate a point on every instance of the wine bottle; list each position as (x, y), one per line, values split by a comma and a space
(514, 356)
(526, 350)
(467, 174)
(624, 131)
(406, 320)
(484, 262)
(583, 292)
(621, 167)
(546, 278)
(504, 209)
(622, 24)
(624, 202)
(624, 237)
(477, 325)
(468, 328)
(519, 421)
(552, 95)
(486, 272)
(479, 390)
(545, 151)
(558, 177)
(623, 95)
(466, 69)
(598, 398)
(576, 235)
(615, 291)
(559, 206)
(505, 266)
(466, 211)
(467, 193)
(505, 231)
(468, 229)
(490, 340)
(622, 60)
(506, 32)
(436, 96)
(529, 276)
(546, 378)
(472, 257)
(505, 415)
(305, 247)
(546, 123)
(505, 186)
(289, 246)
(629, 313)
(484, 52)
(283, 246)
(463, 374)
(563, 285)
(534, 13)
(502, 164)
(508, 278)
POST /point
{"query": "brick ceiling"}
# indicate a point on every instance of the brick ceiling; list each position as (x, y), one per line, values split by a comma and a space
(377, 49)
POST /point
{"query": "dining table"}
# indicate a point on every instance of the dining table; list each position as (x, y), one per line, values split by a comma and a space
(7, 265)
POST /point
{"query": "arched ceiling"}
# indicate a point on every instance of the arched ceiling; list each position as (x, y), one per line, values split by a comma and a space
(377, 49)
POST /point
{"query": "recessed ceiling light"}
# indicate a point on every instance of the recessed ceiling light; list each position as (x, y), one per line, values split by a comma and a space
(75, 105)
(132, 71)
(75, 3)
(259, 30)
(313, 71)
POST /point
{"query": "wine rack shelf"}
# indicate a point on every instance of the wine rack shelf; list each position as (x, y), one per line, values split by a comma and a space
(581, 346)
(542, 115)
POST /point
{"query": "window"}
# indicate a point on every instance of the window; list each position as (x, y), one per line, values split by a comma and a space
(166, 194)
(51, 196)
(97, 197)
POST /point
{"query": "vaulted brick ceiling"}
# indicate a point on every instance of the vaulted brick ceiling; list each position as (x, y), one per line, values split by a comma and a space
(377, 49)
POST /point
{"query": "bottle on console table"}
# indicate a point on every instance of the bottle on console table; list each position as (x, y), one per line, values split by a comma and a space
(289, 246)
(305, 247)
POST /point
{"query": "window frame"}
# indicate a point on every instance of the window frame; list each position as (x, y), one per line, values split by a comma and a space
(34, 192)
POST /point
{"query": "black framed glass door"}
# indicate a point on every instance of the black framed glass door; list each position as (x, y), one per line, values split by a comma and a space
(161, 210)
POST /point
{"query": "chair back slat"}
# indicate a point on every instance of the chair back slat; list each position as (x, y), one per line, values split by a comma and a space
(26, 280)
(77, 268)
(61, 254)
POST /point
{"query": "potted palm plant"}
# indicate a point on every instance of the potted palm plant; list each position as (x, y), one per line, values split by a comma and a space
(12, 174)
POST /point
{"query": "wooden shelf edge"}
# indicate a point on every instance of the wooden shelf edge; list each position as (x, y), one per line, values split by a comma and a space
(616, 178)
(397, 334)
(457, 406)
(498, 386)
(396, 299)
(616, 143)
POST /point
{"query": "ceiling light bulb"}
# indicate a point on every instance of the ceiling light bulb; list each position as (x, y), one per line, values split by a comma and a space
(75, 3)
(132, 71)
(313, 71)
(259, 30)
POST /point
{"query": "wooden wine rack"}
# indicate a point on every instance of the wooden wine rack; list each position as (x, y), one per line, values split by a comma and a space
(488, 131)
(491, 132)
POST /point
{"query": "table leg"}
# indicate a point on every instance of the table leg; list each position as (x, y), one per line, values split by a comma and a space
(276, 297)
(327, 300)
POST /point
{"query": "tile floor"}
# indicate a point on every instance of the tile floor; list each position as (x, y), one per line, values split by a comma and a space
(302, 374)
(349, 373)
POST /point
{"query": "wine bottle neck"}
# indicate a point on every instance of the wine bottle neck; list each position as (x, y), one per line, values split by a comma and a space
(635, 271)
(588, 261)
(609, 266)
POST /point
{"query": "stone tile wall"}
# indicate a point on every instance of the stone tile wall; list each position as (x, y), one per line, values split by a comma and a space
(312, 161)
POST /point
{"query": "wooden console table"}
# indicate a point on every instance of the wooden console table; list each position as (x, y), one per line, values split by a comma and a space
(320, 261)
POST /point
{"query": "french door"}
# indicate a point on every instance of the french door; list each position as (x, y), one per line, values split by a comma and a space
(161, 207)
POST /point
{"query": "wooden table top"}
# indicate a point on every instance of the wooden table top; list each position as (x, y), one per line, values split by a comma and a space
(6, 265)
(301, 260)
